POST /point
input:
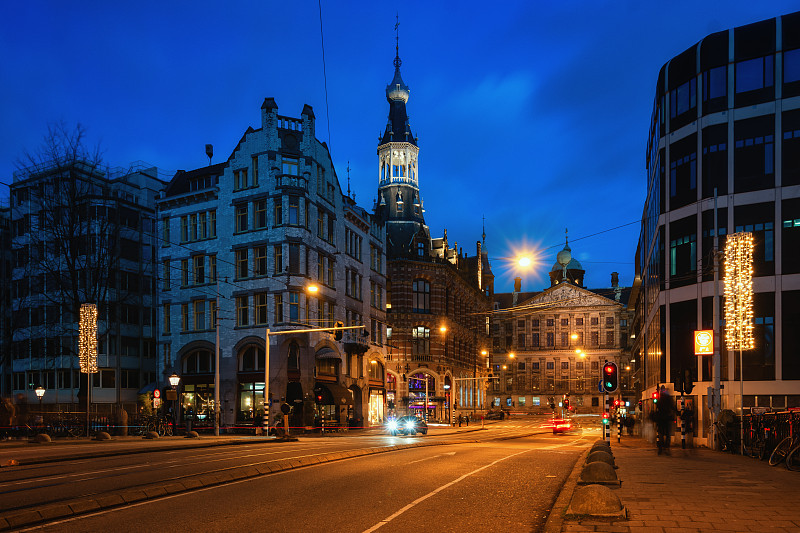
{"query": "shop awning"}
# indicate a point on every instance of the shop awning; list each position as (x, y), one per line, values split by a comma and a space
(334, 394)
(327, 353)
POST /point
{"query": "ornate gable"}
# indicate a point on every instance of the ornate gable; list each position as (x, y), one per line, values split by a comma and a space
(568, 295)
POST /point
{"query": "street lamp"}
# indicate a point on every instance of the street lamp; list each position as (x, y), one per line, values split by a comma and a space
(174, 379)
(40, 394)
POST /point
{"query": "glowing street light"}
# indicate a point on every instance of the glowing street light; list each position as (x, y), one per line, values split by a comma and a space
(524, 261)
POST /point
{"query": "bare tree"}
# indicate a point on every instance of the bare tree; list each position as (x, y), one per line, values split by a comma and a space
(65, 229)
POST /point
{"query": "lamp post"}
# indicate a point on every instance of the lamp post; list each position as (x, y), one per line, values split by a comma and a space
(40, 394)
(174, 379)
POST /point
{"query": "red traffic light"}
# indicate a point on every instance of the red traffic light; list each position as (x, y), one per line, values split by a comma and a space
(605, 415)
(609, 369)
(617, 403)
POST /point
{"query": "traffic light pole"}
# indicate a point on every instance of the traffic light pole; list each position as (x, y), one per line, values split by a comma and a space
(265, 422)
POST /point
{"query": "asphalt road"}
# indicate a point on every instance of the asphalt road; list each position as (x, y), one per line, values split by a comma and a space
(505, 482)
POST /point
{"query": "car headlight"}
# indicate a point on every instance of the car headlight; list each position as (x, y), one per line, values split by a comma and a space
(409, 425)
(392, 425)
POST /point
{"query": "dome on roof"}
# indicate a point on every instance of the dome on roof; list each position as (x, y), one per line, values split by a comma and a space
(573, 264)
(397, 90)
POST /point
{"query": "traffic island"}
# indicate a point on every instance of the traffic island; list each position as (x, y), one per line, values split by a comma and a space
(596, 501)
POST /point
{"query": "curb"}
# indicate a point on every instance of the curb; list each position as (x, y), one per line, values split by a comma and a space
(559, 510)
(156, 447)
(66, 509)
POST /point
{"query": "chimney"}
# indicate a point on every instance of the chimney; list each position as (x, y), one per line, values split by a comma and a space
(518, 284)
(615, 279)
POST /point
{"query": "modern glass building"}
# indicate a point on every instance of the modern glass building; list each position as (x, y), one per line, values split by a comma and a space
(725, 131)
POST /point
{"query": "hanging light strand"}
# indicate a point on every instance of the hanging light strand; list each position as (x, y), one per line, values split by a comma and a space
(87, 339)
(739, 291)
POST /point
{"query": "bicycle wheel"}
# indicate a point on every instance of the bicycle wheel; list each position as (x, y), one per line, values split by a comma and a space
(780, 452)
(793, 459)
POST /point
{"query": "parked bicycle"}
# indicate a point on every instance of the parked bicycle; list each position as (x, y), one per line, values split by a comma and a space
(161, 425)
(788, 452)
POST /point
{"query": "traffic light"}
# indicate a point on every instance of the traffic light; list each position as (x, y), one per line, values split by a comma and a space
(655, 396)
(605, 418)
(338, 333)
(566, 401)
(688, 384)
(610, 376)
(617, 403)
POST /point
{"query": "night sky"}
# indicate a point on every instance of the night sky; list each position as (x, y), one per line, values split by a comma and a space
(532, 114)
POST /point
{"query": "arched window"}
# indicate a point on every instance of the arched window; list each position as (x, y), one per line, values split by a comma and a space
(251, 359)
(294, 356)
(198, 362)
(375, 370)
(421, 290)
(421, 340)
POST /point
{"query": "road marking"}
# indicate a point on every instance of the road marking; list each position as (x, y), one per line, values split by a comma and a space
(436, 491)
(432, 457)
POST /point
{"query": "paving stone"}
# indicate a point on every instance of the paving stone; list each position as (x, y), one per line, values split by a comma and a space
(54, 511)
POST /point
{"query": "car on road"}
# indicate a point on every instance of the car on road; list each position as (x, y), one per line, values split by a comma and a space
(494, 415)
(561, 425)
(407, 425)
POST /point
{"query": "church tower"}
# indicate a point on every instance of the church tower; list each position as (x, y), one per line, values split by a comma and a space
(399, 203)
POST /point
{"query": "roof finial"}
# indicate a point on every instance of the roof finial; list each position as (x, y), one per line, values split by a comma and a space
(483, 235)
(566, 235)
(397, 61)
(348, 178)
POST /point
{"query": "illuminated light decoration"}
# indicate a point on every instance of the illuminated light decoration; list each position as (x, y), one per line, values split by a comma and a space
(739, 291)
(87, 339)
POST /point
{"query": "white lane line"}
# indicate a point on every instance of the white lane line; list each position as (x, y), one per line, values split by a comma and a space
(432, 457)
(436, 491)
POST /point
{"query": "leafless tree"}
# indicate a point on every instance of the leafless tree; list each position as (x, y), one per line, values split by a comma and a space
(65, 229)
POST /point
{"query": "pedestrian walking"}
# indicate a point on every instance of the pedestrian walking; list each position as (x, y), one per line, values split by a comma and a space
(665, 414)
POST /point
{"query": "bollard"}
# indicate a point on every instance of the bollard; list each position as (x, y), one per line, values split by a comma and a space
(619, 427)
(683, 424)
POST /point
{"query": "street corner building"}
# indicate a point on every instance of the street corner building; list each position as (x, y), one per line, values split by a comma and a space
(724, 140)
(549, 347)
(77, 232)
(267, 240)
(439, 298)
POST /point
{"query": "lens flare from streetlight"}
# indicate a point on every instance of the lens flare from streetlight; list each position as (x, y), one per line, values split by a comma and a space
(524, 261)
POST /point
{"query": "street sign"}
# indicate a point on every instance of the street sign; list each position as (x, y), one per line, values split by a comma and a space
(600, 386)
(704, 342)
(156, 393)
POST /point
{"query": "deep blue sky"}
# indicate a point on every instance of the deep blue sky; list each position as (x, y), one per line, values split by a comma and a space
(532, 114)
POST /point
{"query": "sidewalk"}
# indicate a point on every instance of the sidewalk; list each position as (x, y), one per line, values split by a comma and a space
(698, 490)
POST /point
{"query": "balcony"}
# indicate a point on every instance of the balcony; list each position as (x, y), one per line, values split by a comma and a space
(291, 181)
(355, 341)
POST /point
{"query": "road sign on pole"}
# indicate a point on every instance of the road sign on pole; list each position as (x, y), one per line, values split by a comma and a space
(600, 386)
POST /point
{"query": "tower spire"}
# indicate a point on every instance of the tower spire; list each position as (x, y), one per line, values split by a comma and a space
(397, 61)
(483, 234)
(348, 178)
